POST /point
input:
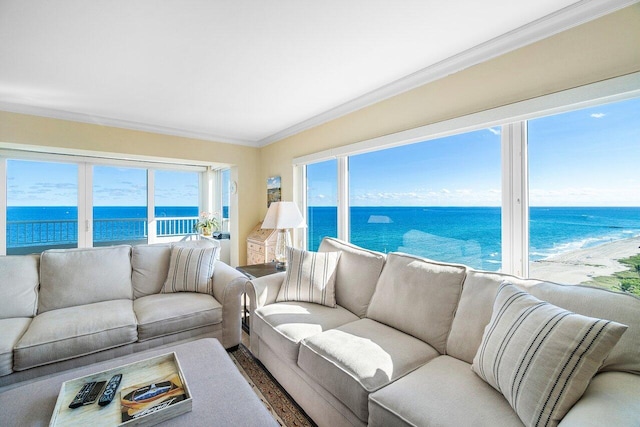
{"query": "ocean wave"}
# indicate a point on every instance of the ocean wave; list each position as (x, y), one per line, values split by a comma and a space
(589, 242)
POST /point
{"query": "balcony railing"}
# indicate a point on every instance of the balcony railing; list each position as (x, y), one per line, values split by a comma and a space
(34, 236)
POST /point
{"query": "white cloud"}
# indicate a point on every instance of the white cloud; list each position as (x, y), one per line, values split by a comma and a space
(627, 196)
(598, 115)
(495, 131)
(444, 197)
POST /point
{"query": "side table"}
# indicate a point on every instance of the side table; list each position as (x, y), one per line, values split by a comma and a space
(253, 272)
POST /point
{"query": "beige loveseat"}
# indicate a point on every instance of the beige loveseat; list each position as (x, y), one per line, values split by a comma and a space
(397, 349)
(71, 307)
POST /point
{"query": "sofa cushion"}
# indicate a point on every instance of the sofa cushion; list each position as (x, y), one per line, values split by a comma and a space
(539, 356)
(310, 277)
(191, 270)
(19, 281)
(358, 358)
(356, 275)
(164, 314)
(149, 268)
(283, 325)
(11, 330)
(444, 392)
(75, 331)
(479, 292)
(418, 296)
(150, 264)
(74, 277)
(610, 400)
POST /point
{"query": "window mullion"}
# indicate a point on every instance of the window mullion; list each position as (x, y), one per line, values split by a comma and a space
(3, 205)
(85, 205)
(300, 238)
(515, 206)
(343, 198)
(151, 207)
(206, 202)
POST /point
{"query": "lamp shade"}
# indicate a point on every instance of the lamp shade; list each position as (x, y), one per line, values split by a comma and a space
(283, 215)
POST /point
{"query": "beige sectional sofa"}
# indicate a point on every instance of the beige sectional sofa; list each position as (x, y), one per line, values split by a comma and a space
(71, 307)
(398, 348)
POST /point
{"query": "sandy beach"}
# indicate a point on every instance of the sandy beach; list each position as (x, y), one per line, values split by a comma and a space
(582, 265)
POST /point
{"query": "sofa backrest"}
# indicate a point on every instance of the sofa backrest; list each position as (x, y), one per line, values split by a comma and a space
(149, 268)
(150, 264)
(476, 306)
(72, 277)
(418, 296)
(19, 280)
(356, 275)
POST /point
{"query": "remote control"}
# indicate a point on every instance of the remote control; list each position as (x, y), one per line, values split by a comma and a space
(94, 393)
(110, 390)
(84, 391)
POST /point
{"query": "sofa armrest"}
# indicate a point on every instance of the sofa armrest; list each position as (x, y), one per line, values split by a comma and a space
(228, 286)
(264, 290)
(611, 399)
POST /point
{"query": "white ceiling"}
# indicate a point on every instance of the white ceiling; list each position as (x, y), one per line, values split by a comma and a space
(249, 72)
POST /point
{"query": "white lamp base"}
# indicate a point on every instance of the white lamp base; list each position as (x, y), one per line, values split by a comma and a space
(283, 240)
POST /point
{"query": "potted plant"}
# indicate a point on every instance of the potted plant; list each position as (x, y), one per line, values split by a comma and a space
(207, 223)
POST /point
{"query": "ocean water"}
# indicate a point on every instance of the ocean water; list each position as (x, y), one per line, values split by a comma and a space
(472, 236)
(42, 226)
(468, 235)
(41, 213)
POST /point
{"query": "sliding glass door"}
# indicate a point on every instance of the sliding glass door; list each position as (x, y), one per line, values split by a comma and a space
(42, 206)
(119, 205)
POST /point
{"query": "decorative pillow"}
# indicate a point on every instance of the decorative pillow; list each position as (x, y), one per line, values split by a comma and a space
(311, 277)
(190, 270)
(539, 356)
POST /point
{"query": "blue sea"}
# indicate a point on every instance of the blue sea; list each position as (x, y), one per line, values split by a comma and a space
(472, 235)
(468, 235)
(32, 229)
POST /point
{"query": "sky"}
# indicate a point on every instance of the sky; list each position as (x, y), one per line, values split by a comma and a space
(32, 183)
(589, 157)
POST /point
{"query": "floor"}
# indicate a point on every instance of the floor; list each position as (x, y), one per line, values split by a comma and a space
(245, 339)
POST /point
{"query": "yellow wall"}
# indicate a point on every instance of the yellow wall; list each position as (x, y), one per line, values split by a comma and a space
(601, 49)
(53, 135)
(605, 48)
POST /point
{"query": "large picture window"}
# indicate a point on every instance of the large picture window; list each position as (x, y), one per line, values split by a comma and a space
(585, 196)
(322, 202)
(55, 201)
(550, 190)
(439, 199)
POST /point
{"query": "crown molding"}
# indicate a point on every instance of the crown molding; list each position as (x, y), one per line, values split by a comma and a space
(562, 20)
(118, 123)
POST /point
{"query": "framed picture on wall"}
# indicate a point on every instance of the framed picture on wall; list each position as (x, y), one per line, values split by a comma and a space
(273, 190)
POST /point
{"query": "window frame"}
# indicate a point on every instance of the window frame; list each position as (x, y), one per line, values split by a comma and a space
(209, 178)
(515, 189)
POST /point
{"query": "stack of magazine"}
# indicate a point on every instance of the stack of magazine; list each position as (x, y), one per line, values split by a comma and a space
(144, 399)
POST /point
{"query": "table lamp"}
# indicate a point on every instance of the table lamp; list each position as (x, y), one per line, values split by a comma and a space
(283, 216)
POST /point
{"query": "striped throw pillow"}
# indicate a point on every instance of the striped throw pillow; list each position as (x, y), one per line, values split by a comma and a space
(539, 356)
(190, 270)
(311, 277)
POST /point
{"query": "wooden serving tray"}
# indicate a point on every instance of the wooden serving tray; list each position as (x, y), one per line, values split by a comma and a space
(137, 373)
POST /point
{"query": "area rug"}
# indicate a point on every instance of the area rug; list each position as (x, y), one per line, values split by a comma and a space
(281, 406)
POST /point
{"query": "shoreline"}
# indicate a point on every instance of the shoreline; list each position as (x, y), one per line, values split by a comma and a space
(583, 265)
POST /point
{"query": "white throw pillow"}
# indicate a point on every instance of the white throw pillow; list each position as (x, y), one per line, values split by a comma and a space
(190, 270)
(311, 277)
(539, 356)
